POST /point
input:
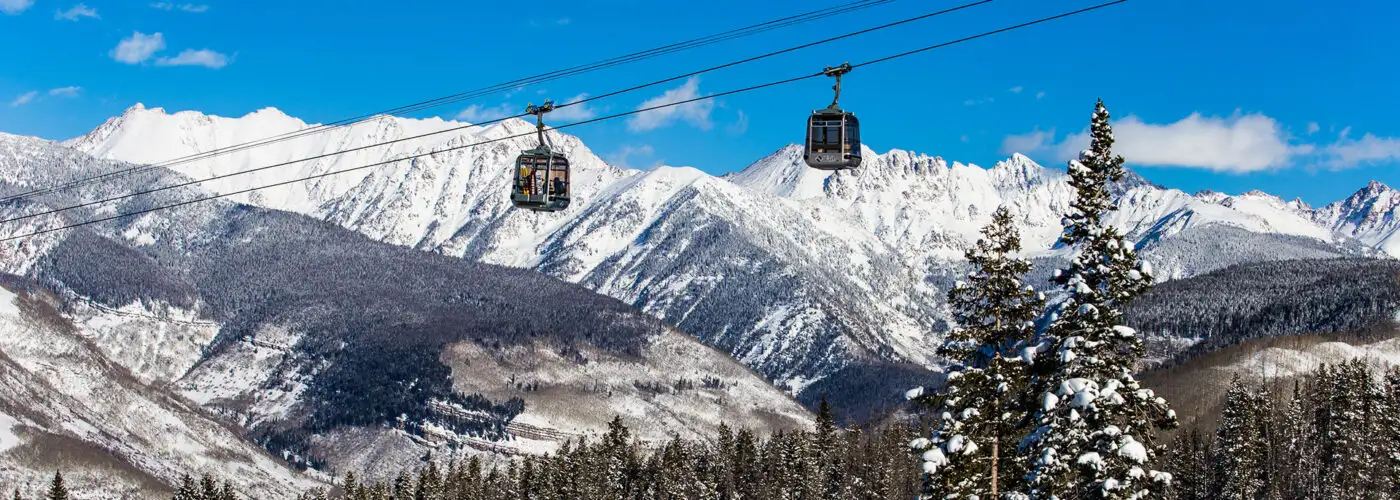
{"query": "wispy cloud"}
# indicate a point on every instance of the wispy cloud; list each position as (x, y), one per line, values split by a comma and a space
(695, 113)
(625, 156)
(740, 125)
(563, 21)
(65, 92)
(184, 7)
(1313, 128)
(77, 12)
(1368, 150)
(190, 57)
(138, 48)
(24, 98)
(35, 95)
(1016, 90)
(1034, 141)
(477, 113)
(977, 101)
(1040, 95)
(14, 7)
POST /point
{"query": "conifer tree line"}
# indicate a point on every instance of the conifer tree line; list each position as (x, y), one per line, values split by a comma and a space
(1053, 412)
(825, 463)
(1334, 434)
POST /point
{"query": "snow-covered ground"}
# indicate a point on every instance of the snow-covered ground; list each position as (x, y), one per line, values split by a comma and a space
(123, 438)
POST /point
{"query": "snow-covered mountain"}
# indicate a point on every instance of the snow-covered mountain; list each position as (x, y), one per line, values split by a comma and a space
(1369, 216)
(793, 271)
(168, 340)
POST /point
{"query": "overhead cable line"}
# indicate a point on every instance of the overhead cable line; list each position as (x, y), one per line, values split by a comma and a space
(476, 93)
(462, 127)
(584, 122)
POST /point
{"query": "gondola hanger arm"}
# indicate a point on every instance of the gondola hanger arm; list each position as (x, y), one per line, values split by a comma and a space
(837, 72)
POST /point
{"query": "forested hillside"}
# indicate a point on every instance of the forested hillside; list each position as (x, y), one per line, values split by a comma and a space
(1268, 299)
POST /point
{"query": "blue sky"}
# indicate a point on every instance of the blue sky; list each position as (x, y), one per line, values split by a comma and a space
(1294, 97)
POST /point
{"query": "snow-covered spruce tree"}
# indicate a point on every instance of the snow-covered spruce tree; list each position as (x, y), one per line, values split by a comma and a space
(1346, 419)
(57, 490)
(1189, 461)
(1390, 431)
(1298, 467)
(1095, 424)
(1241, 446)
(972, 449)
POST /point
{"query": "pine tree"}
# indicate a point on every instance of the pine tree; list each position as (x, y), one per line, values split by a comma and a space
(1239, 458)
(747, 472)
(826, 442)
(1298, 469)
(1190, 466)
(226, 492)
(1390, 433)
(57, 491)
(208, 489)
(351, 485)
(1348, 449)
(620, 459)
(187, 489)
(1095, 423)
(971, 451)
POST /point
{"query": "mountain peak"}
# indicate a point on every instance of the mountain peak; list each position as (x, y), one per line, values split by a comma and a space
(267, 111)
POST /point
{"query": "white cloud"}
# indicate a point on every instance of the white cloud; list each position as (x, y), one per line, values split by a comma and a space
(622, 156)
(740, 125)
(14, 7)
(138, 48)
(1016, 90)
(77, 12)
(185, 7)
(1235, 144)
(964, 138)
(191, 57)
(476, 113)
(1036, 140)
(695, 113)
(1344, 133)
(573, 112)
(24, 98)
(1313, 127)
(974, 102)
(1040, 95)
(1368, 150)
(68, 92)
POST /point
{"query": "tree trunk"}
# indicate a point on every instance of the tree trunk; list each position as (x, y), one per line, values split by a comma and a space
(995, 444)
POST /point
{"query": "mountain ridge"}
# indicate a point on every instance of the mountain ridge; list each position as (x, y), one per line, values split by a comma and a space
(898, 220)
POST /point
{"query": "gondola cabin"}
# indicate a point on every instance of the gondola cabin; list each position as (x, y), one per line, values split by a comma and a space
(541, 181)
(833, 140)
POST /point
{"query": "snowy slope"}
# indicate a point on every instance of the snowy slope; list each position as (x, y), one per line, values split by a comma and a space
(794, 271)
(124, 438)
(235, 309)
